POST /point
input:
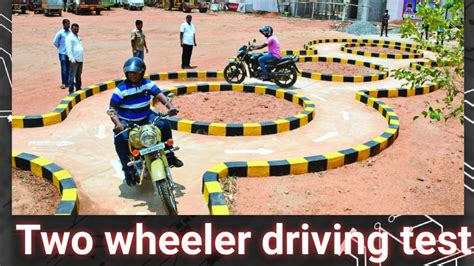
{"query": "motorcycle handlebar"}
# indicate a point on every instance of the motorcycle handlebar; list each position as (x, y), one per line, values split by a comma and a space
(131, 125)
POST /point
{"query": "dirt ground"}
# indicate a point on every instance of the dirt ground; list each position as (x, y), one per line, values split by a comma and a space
(233, 107)
(33, 195)
(336, 68)
(36, 69)
(412, 178)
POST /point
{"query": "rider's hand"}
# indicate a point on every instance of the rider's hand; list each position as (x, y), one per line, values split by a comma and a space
(173, 112)
(120, 127)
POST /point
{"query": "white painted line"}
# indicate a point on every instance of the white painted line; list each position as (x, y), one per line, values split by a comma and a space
(101, 134)
(261, 151)
(319, 98)
(118, 169)
(470, 176)
(469, 188)
(345, 115)
(469, 120)
(327, 136)
(46, 143)
(469, 103)
(469, 91)
(141, 213)
(470, 167)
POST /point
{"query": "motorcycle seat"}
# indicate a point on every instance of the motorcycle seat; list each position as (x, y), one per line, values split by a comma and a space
(277, 61)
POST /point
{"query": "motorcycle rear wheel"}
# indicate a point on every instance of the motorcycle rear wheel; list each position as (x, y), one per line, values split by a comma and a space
(286, 71)
(167, 197)
(234, 74)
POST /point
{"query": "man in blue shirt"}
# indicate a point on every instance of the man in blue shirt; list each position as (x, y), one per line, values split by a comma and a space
(130, 102)
(60, 43)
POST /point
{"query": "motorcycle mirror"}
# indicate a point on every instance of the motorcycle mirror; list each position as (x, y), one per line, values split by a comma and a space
(254, 40)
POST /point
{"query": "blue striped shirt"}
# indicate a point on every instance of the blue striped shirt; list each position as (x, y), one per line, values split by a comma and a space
(132, 102)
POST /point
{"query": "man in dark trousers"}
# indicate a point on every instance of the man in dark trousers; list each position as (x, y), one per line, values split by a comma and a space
(385, 19)
(138, 40)
(60, 43)
(188, 40)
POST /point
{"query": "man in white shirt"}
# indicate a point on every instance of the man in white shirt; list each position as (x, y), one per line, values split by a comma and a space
(60, 43)
(75, 52)
(188, 40)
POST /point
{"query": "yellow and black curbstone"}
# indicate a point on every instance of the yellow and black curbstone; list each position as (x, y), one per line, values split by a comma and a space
(299, 52)
(65, 106)
(211, 187)
(383, 74)
(243, 129)
(351, 48)
(61, 179)
(308, 45)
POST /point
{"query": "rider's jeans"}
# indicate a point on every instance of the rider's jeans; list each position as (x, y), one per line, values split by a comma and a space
(261, 62)
(121, 141)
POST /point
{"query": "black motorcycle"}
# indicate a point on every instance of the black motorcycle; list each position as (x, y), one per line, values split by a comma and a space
(282, 72)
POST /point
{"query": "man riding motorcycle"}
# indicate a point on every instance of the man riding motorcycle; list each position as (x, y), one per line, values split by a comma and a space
(274, 52)
(130, 102)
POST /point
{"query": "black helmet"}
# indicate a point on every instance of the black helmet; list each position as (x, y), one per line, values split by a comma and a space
(267, 31)
(134, 64)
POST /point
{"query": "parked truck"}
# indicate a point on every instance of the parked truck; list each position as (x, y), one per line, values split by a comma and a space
(20, 5)
(107, 4)
(133, 4)
(79, 6)
(51, 7)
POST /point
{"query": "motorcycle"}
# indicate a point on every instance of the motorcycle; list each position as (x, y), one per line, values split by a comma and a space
(148, 159)
(282, 72)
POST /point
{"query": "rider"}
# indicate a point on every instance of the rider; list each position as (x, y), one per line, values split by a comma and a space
(273, 49)
(130, 102)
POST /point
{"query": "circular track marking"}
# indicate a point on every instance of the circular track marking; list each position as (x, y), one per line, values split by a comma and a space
(243, 129)
(60, 178)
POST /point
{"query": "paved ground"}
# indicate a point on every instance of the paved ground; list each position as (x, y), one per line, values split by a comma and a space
(78, 145)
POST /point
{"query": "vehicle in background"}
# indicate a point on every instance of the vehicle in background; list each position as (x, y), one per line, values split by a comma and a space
(35, 6)
(133, 4)
(20, 5)
(107, 4)
(185, 5)
(79, 6)
(51, 7)
(118, 2)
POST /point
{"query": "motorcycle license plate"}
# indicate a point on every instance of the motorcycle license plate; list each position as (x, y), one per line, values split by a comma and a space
(152, 149)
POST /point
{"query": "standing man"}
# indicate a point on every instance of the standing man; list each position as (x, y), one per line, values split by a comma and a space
(138, 41)
(274, 51)
(130, 102)
(385, 19)
(60, 43)
(75, 52)
(188, 40)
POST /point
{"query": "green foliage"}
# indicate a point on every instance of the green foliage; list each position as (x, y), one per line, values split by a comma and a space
(447, 24)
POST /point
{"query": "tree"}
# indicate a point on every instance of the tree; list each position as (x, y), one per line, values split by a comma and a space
(446, 26)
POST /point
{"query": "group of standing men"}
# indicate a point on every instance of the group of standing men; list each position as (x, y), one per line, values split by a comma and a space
(187, 41)
(71, 55)
(71, 51)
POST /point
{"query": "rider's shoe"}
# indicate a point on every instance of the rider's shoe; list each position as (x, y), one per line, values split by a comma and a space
(130, 180)
(173, 161)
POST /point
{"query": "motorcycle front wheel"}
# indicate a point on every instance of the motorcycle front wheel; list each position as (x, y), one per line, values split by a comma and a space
(234, 74)
(285, 76)
(167, 196)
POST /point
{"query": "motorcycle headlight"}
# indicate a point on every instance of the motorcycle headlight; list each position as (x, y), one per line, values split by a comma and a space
(148, 138)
